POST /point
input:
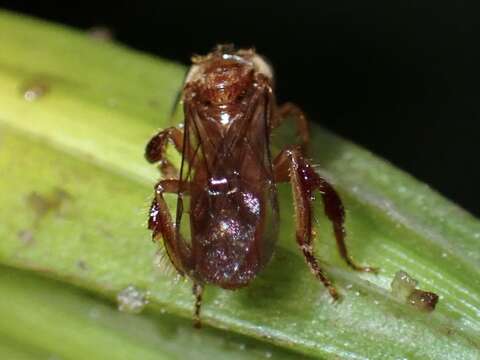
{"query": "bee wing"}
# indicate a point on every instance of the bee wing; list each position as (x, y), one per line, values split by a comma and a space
(192, 156)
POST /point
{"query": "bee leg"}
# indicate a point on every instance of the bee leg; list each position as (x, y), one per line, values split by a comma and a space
(161, 224)
(335, 212)
(156, 147)
(198, 293)
(290, 165)
(291, 111)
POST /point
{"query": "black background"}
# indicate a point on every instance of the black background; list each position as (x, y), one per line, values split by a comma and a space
(401, 79)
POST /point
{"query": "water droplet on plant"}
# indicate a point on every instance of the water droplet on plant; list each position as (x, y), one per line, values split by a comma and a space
(132, 300)
(268, 354)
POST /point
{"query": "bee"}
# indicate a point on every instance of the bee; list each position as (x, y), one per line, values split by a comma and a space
(229, 176)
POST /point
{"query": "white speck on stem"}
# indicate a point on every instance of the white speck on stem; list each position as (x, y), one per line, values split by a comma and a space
(132, 300)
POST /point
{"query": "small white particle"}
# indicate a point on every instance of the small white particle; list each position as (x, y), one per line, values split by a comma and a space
(132, 300)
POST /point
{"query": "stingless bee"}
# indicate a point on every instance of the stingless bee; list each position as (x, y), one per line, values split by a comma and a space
(229, 177)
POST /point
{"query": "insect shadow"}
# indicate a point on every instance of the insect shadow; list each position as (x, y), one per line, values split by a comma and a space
(279, 282)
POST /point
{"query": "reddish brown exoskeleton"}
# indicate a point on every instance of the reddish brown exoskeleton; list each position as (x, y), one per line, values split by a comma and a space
(228, 175)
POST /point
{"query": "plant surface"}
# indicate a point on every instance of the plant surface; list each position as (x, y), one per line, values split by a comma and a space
(75, 114)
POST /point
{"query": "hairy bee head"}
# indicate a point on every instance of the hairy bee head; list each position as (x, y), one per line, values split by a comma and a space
(225, 75)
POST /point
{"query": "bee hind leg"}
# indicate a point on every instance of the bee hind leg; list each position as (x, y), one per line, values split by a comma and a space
(290, 165)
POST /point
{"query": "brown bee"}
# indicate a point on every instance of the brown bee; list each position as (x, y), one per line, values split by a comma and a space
(228, 176)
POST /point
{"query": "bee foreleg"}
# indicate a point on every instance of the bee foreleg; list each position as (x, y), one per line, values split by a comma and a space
(156, 148)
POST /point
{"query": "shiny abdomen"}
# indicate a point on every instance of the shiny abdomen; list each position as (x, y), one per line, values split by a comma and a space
(234, 232)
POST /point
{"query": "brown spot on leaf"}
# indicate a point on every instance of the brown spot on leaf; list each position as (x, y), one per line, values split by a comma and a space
(26, 237)
(423, 300)
(44, 204)
(82, 265)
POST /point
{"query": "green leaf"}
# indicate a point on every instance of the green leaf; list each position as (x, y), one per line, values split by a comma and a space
(60, 321)
(76, 190)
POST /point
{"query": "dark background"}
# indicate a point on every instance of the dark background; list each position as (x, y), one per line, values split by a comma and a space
(401, 79)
